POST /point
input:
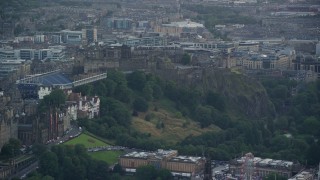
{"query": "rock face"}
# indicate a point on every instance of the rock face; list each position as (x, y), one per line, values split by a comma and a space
(242, 93)
(244, 96)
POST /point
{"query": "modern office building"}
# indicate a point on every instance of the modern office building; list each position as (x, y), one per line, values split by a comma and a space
(118, 23)
(71, 37)
(89, 35)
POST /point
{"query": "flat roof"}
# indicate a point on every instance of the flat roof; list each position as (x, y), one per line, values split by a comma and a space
(157, 154)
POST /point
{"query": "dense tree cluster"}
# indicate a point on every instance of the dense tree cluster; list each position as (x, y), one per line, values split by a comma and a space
(10, 149)
(70, 162)
(292, 135)
(150, 173)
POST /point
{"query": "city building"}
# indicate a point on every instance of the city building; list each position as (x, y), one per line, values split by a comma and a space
(118, 23)
(7, 53)
(177, 28)
(37, 86)
(304, 175)
(146, 41)
(88, 107)
(183, 166)
(10, 115)
(89, 35)
(71, 37)
(15, 68)
(249, 167)
(248, 46)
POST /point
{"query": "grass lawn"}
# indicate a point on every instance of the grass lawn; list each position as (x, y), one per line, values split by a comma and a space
(176, 127)
(111, 157)
(86, 140)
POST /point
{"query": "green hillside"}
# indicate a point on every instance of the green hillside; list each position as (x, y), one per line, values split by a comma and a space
(222, 113)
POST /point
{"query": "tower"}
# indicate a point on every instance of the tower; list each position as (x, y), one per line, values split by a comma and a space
(89, 35)
(318, 49)
(178, 9)
(319, 172)
(248, 166)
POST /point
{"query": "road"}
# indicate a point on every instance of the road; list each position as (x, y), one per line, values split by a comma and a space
(22, 173)
(74, 131)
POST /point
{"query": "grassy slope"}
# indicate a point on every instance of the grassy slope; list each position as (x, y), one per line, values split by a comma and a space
(176, 127)
(111, 157)
(86, 140)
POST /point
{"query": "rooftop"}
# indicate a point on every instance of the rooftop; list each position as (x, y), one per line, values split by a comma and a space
(158, 154)
(191, 159)
(266, 162)
(302, 175)
(185, 24)
(48, 79)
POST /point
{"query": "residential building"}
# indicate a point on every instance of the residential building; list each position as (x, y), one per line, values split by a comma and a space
(88, 107)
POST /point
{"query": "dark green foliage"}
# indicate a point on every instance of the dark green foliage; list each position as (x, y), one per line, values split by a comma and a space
(298, 115)
(11, 149)
(48, 164)
(140, 105)
(39, 149)
(54, 100)
(136, 80)
(151, 173)
(273, 176)
(72, 162)
(215, 100)
(118, 169)
(186, 59)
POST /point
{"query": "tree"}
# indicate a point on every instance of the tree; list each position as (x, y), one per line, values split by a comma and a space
(140, 105)
(39, 149)
(273, 176)
(12, 148)
(148, 91)
(55, 98)
(146, 172)
(215, 100)
(203, 115)
(165, 174)
(157, 91)
(137, 80)
(311, 125)
(186, 59)
(48, 164)
(118, 169)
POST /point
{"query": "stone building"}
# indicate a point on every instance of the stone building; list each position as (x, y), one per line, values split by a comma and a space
(184, 166)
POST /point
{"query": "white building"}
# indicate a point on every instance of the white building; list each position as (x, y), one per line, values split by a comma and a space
(43, 91)
(304, 175)
(71, 37)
